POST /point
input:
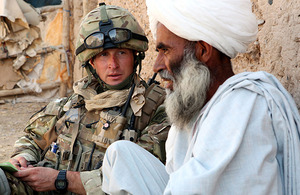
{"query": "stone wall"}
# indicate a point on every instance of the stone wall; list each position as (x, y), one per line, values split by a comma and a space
(278, 43)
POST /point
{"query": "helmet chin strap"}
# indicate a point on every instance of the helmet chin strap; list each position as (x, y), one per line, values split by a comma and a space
(126, 84)
(91, 72)
(138, 61)
(105, 25)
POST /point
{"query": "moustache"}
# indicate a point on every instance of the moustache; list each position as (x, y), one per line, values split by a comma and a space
(164, 74)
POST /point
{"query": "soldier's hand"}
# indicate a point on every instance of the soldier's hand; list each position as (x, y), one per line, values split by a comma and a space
(38, 178)
(18, 162)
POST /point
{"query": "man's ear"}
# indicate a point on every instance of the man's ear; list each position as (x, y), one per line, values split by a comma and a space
(203, 51)
(92, 63)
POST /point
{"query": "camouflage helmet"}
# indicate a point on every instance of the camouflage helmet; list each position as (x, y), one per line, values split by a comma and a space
(120, 18)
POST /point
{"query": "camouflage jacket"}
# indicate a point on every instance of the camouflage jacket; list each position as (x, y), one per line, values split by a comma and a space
(66, 135)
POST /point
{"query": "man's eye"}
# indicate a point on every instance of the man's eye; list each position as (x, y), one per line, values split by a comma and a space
(165, 50)
(103, 54)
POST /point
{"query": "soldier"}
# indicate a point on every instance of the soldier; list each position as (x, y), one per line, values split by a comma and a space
(67, 139)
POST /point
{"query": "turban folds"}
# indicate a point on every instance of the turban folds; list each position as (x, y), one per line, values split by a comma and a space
(228, 25)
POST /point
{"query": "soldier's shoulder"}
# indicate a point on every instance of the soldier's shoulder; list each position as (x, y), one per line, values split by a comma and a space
(155, 93)
(54, 108)
(85, 88)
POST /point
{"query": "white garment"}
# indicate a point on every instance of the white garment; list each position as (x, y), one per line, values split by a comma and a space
(129, 169)
(245, 141)
(227, 25)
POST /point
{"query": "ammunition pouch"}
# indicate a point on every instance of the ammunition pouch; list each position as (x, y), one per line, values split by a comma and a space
(61, 157)
(130, 135)
(95, 160)
(109, 129)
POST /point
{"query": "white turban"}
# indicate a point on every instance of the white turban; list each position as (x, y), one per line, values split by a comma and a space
(228, 25)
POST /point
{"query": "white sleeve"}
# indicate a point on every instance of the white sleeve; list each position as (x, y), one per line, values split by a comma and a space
(234, 151)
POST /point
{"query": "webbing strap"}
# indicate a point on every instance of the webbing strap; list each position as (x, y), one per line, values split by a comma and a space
(103, 13)
(155, 96)
(74, 137)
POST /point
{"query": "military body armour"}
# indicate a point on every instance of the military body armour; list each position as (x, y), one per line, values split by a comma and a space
(83, 136)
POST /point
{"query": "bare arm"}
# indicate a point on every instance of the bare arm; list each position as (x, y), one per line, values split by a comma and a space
(43, 178)
(75, 184)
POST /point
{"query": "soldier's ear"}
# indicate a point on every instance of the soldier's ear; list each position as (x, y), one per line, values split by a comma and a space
(203, 51)
(91, 62)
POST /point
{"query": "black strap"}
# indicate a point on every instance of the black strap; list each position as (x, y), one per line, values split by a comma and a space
(139, 37)
(80, 49)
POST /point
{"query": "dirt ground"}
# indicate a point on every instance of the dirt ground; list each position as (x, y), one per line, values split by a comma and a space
(13, 118)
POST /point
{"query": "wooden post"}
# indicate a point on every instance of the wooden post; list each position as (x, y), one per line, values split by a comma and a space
(19, 91)
(66, 44)
(39, 51)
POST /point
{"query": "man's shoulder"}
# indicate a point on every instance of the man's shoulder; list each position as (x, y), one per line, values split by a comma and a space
(155, 96)
(153, 110)
(53, 108)
(85, 88)
(253, 81)
(249, 85)
(260, 76)
(155, 91)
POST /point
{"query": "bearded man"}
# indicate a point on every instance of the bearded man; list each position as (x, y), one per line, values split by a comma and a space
(230, 134)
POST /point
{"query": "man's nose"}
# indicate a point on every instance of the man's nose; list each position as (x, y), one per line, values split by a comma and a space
(159, 64)
(113, 62)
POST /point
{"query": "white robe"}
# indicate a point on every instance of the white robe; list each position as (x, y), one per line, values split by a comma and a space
(245, 141)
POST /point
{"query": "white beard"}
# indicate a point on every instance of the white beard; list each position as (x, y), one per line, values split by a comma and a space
(190, 87)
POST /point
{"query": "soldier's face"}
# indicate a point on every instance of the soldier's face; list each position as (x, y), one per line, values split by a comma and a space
(113, 65)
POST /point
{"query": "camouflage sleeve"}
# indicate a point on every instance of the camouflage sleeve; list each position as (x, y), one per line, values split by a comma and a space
(92, 181)
(39, 132)
(154, 136)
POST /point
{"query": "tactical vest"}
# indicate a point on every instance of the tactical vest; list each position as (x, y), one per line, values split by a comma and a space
(83, 136)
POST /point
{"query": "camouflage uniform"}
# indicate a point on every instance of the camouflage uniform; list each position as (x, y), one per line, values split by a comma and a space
(73, 133)
(57, 123)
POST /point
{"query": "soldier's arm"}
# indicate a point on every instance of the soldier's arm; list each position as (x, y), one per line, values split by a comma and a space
(154, 136)
(39, 133)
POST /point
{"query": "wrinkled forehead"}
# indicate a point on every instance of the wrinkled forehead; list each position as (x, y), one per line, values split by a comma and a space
(167, 39)
(163, 30)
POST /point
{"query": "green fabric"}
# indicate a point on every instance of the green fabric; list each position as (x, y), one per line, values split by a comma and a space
(126, 84)
(103, 13)
(17, 186)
